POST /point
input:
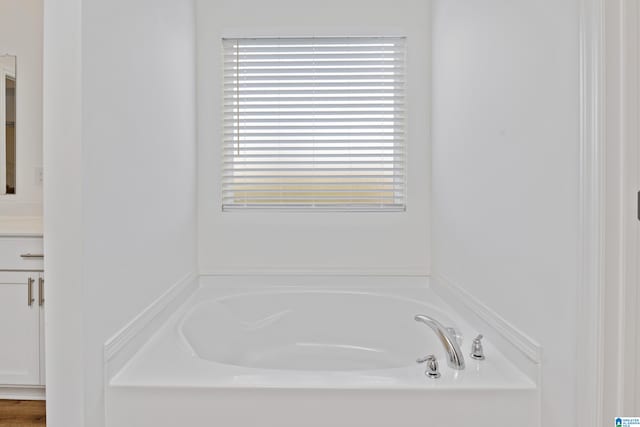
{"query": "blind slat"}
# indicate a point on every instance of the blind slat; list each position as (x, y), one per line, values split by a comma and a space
(244, 52)
(278, 62)
(324, 127)
(305, 157)
(342, 207)
(241, 171)
(235, 115)
(313, 41)
(267, 92)
(309, 199)
(276, 178)
(323, 186)
(361, 78)
(270, 99)
(283, 144)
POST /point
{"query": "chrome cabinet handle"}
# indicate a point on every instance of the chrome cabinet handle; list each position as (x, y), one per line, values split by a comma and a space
(30, 298)
(41, 291)
(32, 256)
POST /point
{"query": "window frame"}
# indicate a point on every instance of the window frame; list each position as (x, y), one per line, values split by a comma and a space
(399, 158)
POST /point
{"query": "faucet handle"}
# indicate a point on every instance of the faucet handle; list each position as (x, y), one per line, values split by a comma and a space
(477, 352)
(432, 370)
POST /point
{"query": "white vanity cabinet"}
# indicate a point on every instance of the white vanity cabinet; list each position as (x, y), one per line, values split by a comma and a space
(20, 324)
(22, 300)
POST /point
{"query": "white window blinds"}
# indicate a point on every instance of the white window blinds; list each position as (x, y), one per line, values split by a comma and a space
(314, 123)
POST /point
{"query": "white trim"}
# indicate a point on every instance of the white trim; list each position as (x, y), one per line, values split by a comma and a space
(5, 72)
(629, 316)
(518, 347)
(121, 346)
(590, 295)
(311, 281)
(318, 271)
(3, 124)
(22, 392)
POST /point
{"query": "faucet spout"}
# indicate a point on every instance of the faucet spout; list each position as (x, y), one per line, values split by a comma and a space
(455, 359)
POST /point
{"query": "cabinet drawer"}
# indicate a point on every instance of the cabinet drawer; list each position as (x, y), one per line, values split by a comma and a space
(12, 250)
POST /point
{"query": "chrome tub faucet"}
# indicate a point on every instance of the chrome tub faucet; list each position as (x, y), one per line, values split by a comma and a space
(455, 359)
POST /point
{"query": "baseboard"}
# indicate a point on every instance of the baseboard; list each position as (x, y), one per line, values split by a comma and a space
(128, 340)
(22, 393)
(525, 353)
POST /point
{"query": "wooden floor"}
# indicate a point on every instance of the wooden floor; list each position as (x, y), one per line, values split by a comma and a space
(22, 413)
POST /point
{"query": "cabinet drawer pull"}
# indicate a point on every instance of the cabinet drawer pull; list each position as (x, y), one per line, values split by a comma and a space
(41, 291)
(32, 256)
(30, 298)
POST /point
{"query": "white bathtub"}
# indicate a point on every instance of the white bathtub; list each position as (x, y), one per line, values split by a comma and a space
(311, 331)
(321, 356)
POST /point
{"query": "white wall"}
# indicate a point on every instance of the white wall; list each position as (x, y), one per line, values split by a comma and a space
(122, 198)
(312, 242)
(21, 34)
(621, 391)
(505, 171)
(616, 383)
(63, 213)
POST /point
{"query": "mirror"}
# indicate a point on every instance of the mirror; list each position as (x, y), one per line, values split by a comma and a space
(7, 124)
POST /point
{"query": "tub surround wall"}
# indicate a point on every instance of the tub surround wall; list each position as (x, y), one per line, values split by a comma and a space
(521, 350)
(505, 163)
(121, 200)
(125, 343)
(311, 243)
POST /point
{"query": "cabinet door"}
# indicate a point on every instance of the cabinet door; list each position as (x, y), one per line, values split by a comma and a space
(19, 329)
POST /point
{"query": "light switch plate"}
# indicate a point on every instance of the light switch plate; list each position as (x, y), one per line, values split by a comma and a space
(39, 175)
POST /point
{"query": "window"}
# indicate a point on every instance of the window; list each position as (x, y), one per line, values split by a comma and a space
(314, 123)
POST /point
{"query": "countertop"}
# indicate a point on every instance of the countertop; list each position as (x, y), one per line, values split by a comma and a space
(20, 226)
